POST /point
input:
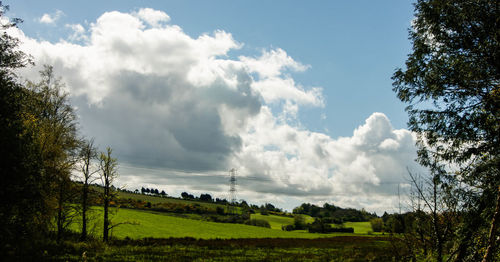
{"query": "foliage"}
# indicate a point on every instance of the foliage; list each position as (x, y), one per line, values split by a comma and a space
(108, 167)
(251, 249)
(451, 85)
(333, 213)
(38, 138)
(162, 225)
(87, 155)
(377, 224)
(258, 223)
(299, 222)
(54, 122)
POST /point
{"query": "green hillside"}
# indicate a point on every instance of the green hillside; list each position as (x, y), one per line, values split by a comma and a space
(277, 221)
(160, 225)
(156, 200)
(360, 227)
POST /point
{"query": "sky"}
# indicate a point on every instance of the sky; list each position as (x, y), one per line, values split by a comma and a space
(295, 95)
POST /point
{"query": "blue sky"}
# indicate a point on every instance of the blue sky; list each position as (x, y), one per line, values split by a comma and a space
(347, 49)
(353, 47)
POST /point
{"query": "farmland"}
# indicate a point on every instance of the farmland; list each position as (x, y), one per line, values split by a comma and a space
(159, 236)
(143, 224)
(262, 249)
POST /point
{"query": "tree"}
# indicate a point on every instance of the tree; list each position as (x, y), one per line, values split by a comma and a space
(206, 197)
(54, 121)
(22, 208)
(299, 222)
(186, 195)
(88, 154)
(108, 167)
(451, 85)
(430, 197)
(377, 224)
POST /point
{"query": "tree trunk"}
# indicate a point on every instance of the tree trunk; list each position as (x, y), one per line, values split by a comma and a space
(60, 212)
(83, 236)
(106, 221)
(437, 231)
(491, 240)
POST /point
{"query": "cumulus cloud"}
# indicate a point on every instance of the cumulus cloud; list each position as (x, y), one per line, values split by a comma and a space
(179, 112)
(78, 32)
(153, 17)
(51, 18)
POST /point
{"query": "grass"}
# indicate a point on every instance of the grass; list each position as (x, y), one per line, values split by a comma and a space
(275, 221)
(360, 227)
(325, 249)
(156, 200)
(161, 225)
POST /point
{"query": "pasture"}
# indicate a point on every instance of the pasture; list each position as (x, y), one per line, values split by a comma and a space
(142, 224)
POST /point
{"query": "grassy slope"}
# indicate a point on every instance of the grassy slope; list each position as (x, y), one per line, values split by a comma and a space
(277, 221)
(360, 227)
(152, 224)
(155, 200)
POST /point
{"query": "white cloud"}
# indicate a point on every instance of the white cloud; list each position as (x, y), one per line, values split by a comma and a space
(272, 63)
(152, 17)
(51, 18)
(166, 100)
(78, 32)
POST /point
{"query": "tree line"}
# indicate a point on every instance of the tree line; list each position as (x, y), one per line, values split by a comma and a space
(41, 150)
(334, 214)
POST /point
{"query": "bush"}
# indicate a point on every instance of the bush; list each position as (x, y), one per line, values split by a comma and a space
(299, 222)
(220, 211)
(258, 223)
(287, 228)
(377, 224)
(342, 230)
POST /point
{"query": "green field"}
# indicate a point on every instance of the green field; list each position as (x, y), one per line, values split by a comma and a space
(277, 221)
(360, 227)
(340, 248)
(161, 225)
(156, 200)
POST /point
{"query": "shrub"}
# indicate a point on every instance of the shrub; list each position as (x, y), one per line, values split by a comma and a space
(377, 224)
(220, 210)
(343, 230)
(287, 228)
(258, 223)
(299, 222)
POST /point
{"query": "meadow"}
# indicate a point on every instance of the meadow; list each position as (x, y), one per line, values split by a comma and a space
(156, 200)
(258, 249)
(141, 224)
(145, 235)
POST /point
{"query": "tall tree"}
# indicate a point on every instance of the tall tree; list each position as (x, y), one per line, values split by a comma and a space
(88, 154)
(55, 125)
(108, 167)
(21, 201)
(451, 84)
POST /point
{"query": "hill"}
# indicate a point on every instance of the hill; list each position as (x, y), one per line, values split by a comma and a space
(140, 224)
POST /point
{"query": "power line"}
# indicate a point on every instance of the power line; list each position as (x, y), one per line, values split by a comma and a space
(255, 178)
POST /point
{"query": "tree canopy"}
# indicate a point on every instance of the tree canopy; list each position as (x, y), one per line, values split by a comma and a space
(451, 83)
